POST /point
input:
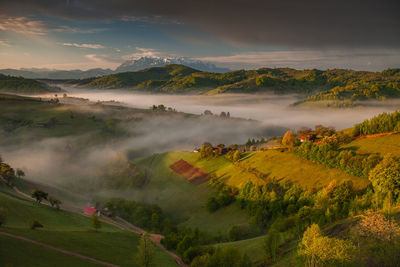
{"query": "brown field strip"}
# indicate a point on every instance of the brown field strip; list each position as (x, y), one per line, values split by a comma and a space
(191, 173)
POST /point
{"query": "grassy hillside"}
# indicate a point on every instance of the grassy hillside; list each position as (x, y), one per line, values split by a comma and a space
(253, 247)
(284, 166)
(21, 85)
(68, 231)
(183, 201)
(380, 144)
(171, 191)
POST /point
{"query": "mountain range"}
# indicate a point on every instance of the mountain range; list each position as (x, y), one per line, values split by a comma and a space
(129, 65)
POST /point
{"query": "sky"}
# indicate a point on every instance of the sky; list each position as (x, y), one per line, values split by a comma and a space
(84, 34)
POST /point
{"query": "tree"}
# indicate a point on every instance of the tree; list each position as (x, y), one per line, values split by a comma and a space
(271, 244)
(246, 261)
(289, 139)
(3, 216)
(225, 257)
(236, 156)
(145, 254)
(377, 227)
(206, 152)
(7, 173)
(20, 173)
(385, 177)
(235, 233)
(161, 107)
(303, 130)
(212, 204)
(201, 261)
(39, 195)
(54, 202)
(317, 248)
(96, 223)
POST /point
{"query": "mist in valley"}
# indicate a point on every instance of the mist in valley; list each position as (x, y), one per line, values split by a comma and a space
(50, 160)
(271, 109)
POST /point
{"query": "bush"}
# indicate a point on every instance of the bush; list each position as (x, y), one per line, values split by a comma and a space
(36, 224)
(235, 233)
(212, 204)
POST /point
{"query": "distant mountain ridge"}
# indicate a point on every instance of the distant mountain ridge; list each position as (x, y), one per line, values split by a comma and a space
(148, 62)
(129, 65)
(56, 74)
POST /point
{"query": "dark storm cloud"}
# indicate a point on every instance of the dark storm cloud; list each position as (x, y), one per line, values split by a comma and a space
(313, 23)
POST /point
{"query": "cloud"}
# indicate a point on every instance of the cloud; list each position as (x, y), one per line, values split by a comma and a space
(366, 59)
(92, 46)
(5, 43)
(312, 23)
(32, 27)
(103, 58)
(150, 19)
(23, 25)
(142, 52)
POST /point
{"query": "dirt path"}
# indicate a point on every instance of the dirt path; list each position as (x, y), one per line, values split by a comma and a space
(125, 225)
(156, 239)
(376, 135)
(80, 256)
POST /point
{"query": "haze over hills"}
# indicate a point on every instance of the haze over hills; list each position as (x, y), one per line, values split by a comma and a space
(129, 65)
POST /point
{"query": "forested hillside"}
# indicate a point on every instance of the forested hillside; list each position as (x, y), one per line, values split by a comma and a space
(12, 84)
(335, 84)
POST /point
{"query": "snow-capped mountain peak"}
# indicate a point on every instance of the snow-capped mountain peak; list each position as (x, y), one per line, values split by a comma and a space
(147, 62)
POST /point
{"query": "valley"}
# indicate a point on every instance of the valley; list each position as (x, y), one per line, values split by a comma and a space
(127, 158)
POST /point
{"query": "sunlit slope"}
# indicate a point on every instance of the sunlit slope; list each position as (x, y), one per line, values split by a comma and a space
(260, 166)
(381, 144)
(67, 231)
(253, 247)
(182, 200)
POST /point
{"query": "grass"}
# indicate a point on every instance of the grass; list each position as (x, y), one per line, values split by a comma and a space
(19, 253)
(186, 202)
(69, 231)
(382, 145)
(284, 166)
(181, 200)
(253, 247)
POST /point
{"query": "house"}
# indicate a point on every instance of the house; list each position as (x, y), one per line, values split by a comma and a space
(196, 150)
(303, 138)
(89, 210)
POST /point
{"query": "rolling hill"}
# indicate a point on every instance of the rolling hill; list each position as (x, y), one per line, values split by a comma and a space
(10, 84)
(338, 87)
(64, 230)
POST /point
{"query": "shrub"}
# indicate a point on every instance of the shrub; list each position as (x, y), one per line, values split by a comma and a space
(36, 224)
(212, 204)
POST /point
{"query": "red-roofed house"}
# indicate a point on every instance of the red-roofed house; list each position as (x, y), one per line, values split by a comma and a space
(89, 210)
(303, 138)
